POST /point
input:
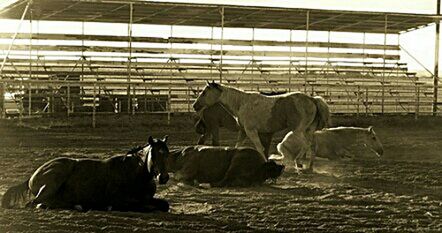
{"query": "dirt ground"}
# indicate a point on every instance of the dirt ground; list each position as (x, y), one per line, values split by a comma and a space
(400, 192)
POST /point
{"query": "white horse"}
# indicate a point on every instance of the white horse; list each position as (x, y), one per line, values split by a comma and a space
(333, 143)
(263, 116)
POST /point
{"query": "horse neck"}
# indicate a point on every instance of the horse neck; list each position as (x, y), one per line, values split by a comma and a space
(173, 163)
(232, 99)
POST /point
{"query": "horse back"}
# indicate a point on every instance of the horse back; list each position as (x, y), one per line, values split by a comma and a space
(288, 111)
(53, 172)
(205, 163)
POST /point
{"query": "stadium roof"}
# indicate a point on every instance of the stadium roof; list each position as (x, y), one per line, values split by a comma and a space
(191, 14)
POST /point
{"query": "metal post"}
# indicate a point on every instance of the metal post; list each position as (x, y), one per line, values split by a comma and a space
(366, 101)
(363, 51)
(436, 63)
(94, 105)
(416, 115)
(328, 60)
(30, 65)
(169, 107)
(129, 65)
(290, 62)
(222, 45)
(383, 58)
(30, 99)
(145, 98)
(358, 98)
(3, 92)
(68, 100)
(307, 25)
(134, 90)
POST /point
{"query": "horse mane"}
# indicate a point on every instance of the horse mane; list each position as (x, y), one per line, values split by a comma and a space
(350, 135)
(134, 150)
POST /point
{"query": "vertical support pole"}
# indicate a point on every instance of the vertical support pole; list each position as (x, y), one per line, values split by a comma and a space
(83, 59)
(307, 27)
(290, 60)
(129, 64)
(358, 99)
(30, 99)
(253, 63)
(94, 105)
(328, 60)
(145, 99)
(363, 51)
(436, 63)
(30, 64)
(3, 92)
(222, 46)
(416, 115)
(383, 58)
(68, 99)
(169, 107)
(366, 101)
(134, 95)
(211, 52)
(188, 98)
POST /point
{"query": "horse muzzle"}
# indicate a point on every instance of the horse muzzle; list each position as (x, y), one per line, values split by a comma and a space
(163, 178)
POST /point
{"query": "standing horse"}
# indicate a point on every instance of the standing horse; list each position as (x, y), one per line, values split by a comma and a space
(122, 183)
(259, 114)
(334, 143)
(211, 120)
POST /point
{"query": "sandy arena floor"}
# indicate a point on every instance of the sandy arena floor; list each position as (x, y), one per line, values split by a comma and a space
(400, 192)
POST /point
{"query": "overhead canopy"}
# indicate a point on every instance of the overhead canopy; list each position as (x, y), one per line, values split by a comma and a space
(148, 12)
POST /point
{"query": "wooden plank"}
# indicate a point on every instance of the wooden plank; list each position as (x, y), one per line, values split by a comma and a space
(106, 49)
(183, 40)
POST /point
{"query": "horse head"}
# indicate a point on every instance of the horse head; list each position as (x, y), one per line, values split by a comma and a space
(154, 156)
(372, 142)
(208, 97)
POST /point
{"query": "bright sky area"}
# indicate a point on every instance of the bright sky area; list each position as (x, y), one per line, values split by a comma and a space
(420, 43)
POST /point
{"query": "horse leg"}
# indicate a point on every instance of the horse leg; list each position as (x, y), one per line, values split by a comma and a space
(266, 141)
(156, 204)
(254, 137)
(203, 138)
(310, 151)
(241, 138)
(44, 196)
(215, 136)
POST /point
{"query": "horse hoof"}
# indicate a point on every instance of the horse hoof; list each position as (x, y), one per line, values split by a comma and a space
(78, 208)
(308, 171)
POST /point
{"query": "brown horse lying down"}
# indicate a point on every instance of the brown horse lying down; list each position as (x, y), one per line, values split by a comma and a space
(222, 166)
(121, 183)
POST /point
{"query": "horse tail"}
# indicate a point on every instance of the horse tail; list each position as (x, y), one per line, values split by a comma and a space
(322, 117)
(14, 194)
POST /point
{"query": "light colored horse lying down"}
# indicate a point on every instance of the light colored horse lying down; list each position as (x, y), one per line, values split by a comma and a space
(332, 143)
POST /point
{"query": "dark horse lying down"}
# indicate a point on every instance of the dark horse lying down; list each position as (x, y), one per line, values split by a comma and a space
(122, 183)
(222, 166)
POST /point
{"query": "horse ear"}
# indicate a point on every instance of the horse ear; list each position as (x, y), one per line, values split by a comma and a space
(165, 138)
(150, 140)
(207, 82)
